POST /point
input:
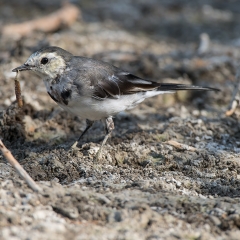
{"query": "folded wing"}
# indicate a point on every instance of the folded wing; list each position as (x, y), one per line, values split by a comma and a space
(125, 83)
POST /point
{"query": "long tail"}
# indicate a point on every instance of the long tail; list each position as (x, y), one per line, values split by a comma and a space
(177, 87)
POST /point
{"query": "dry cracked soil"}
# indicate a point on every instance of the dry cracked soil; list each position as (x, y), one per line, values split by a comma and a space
(143, 187)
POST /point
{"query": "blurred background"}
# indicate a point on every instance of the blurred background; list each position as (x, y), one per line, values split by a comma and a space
(193, 42)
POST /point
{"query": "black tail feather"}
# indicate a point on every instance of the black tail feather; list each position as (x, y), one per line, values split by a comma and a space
(177, 87)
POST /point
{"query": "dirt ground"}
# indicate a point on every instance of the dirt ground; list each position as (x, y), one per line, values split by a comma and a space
(143, 188)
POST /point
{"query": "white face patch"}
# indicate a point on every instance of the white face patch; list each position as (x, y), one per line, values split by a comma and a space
(54, 67)
(51, 55)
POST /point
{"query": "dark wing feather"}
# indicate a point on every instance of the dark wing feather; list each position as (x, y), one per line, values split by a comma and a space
(126, 83)
(122, 84)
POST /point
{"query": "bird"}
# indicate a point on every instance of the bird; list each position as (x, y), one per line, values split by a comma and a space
(92, 89)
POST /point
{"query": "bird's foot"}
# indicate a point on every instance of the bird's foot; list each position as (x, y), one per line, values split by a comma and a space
(74, 150)
(74, 146)
(98, 155)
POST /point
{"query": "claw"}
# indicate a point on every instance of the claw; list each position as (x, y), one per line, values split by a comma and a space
(74, 146)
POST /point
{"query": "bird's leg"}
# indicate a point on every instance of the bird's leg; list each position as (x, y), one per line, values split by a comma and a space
(89, 124)
(109, 128)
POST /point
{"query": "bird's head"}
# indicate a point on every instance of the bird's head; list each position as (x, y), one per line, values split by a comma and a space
(47, 62)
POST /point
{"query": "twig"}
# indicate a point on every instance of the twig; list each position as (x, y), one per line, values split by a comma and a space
(181, 146)
(236, 95)
(8, 155)
(65, 16)
(18, 91)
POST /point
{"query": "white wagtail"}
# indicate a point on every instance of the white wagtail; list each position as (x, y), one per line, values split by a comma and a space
(93, 89)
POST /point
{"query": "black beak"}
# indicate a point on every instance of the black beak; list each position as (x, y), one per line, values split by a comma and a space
(23, 67)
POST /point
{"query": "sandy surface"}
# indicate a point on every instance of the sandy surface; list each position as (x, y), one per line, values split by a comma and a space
(143, 188)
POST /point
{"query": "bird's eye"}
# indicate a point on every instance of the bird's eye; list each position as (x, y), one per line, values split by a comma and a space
(44, 60)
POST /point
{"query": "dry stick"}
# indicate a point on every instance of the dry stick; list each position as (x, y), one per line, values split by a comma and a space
(8, 155)
(67, 15)
(181, 146)
(18, 91)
